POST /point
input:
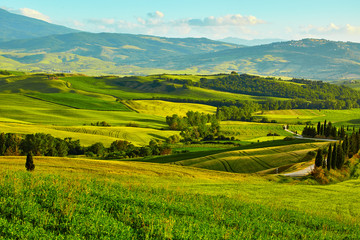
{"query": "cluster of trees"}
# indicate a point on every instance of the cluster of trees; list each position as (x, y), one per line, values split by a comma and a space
(38, 144)
(325, 130)
(236, 113)
(4, 72)
(195, 126)
(41, 144)
(124, 149)
(101, 124)
(337, 153)
(333, 158)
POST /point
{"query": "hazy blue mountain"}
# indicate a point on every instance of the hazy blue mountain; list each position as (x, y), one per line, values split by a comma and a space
(307, 58)
(14, 26)
(117, 48)
(253, 42)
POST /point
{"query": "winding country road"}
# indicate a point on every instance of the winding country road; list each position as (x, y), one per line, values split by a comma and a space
(300, 173)
(308, 169)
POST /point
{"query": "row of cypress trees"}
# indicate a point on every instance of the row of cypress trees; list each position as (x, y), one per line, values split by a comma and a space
(337, 153)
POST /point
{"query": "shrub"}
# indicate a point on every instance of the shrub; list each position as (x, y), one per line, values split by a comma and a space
(30, 166)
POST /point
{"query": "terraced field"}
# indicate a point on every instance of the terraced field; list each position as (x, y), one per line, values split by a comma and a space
(80, 101)
(253, 132)
(253, 160)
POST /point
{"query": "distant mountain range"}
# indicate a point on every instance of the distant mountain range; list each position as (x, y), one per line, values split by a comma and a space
(253, 42)
(35, 45)
(14, 26)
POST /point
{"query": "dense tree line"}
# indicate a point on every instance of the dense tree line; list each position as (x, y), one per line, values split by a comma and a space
(319, 94)
(38, 144)
(336, 154)
(195, 126)
(236, 113)
(324, 130)
(41, 144)
(123, 149)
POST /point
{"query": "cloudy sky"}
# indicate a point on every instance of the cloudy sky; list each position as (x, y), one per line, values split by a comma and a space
(215, 19)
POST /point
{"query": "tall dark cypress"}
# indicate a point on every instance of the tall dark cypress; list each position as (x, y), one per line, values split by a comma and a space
(329, 158)
(334, 157)
(345, 145)
(319, 158)
(340, 157)
(322, 130)
(318, 128)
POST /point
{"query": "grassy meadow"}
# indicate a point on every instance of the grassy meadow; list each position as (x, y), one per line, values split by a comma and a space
(80, 198)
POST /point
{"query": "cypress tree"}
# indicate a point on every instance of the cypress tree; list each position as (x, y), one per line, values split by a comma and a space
(329, 158)
(334, 157)
(340, 158)
(318, 128)
(345, 145)
(322, 130)
(319, 158)
(30, 166)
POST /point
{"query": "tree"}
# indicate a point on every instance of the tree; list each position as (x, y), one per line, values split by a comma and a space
(318, 128)
(30, 166)
(340, 157)
(97, 149)
(319, 158)
(329, 158)
(334, 157)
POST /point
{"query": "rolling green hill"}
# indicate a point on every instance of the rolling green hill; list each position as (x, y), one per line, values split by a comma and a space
(14, 26)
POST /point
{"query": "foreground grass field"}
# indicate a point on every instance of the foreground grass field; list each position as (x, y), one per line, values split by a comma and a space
(79, 198)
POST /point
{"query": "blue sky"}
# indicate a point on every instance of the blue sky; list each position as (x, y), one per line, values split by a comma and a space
(251, 19)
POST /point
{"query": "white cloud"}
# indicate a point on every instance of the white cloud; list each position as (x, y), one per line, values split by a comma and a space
(156, 14)
(332, 29)
(155, 23)
(34, 14)
(352, 29)
(227, 20)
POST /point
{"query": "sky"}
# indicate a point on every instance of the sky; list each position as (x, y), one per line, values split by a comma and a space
(250, 19)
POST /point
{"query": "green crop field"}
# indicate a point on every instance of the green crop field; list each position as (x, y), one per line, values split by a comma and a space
(76, 100)
(338, 117)
(79, 198)
(250, 131)
(248, 160)
(163, 108)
